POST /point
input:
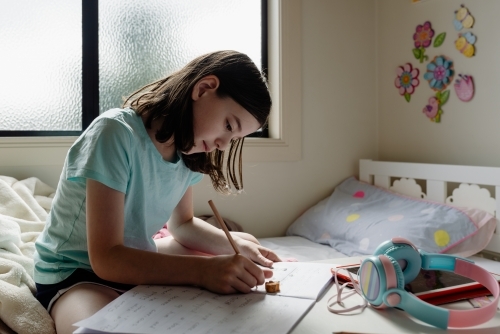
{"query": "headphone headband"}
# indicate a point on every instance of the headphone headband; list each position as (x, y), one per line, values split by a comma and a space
(440, 261)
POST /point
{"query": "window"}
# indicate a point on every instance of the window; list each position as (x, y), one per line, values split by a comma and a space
(75, 59)
(284, 142)
(41, 66)
(285, 82)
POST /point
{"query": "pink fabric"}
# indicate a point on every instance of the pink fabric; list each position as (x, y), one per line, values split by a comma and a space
(467, 318)
(162, 233)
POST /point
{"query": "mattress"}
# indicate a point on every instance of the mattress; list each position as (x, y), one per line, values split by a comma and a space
(300, 248)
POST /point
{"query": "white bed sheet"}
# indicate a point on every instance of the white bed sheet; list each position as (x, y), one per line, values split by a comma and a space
(300, 248)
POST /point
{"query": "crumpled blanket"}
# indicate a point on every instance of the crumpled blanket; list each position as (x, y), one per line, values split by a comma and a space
(24, 206)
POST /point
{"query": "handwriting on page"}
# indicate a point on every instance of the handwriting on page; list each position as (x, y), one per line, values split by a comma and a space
(166, 309)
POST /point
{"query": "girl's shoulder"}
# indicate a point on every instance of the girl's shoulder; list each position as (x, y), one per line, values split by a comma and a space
(126, 119)
(113, 126)
(126, 115)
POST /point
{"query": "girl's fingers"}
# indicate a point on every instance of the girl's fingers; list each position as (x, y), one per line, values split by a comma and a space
(264, 261)
(245, 283)
(272, 256)
(268, 273)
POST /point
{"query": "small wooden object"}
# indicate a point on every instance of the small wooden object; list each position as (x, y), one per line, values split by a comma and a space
(273, 286)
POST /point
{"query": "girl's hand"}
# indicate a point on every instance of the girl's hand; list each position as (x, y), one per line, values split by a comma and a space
(231, 273)
(257, 253)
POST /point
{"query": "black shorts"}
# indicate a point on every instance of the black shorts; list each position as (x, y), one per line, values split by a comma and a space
(47, 294)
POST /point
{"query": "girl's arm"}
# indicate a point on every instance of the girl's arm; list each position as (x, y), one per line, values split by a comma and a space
(245, 236)
(112, 260)
(197, 234)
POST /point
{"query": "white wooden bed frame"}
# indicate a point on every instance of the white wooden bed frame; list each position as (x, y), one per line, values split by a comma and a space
(437, 178)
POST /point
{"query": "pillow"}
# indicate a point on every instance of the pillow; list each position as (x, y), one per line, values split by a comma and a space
(358, 217)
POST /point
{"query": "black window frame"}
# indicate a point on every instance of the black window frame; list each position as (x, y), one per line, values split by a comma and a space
(90, 72)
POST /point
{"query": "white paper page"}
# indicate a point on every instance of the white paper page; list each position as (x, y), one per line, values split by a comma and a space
(167, 309)
(300, 279)
(83, 330)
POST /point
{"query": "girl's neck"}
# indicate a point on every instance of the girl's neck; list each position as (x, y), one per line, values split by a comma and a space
(166, 149)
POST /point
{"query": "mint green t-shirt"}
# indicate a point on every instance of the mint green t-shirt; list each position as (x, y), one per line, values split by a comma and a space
(117, 151)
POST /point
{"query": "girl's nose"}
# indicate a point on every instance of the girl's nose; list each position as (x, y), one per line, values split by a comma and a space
(222, 143)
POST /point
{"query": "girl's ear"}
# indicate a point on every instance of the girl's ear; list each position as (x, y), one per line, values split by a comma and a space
(208, 83)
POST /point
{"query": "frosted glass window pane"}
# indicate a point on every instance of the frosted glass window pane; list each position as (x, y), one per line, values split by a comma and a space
(141, 41)
(41, 65)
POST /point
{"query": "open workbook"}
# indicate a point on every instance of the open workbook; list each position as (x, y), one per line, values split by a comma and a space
(181, 309)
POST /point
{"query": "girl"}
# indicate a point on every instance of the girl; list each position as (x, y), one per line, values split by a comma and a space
(132, 170)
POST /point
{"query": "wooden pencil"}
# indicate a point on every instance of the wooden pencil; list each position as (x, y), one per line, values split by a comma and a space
(223, 226)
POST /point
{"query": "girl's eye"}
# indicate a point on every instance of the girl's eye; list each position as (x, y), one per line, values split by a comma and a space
(229, 127)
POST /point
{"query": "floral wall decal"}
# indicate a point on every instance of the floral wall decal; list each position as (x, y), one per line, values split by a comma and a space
(439, 72)
(422, 38)
(433, 108)
(407, 80)
(464, 87)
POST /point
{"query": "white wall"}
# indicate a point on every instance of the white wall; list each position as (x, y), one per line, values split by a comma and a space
(468, 133)
(339, 121)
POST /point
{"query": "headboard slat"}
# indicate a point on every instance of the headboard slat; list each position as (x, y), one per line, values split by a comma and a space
(497, 198)
(436, 191)
(382, 181)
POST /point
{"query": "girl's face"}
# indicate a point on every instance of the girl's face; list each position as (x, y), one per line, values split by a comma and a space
(217, 120)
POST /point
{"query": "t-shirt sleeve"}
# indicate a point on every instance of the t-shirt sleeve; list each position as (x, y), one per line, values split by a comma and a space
(196, 178)
(102, 154)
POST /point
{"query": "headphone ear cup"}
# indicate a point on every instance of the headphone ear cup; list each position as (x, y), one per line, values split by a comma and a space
(379, 274)
(398, 272)
(380, 250)
(408, 258)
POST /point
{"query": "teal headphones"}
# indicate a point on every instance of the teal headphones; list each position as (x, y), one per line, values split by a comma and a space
(382, 278)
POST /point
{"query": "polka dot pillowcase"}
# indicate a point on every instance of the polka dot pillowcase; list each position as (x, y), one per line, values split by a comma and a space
(357, 217)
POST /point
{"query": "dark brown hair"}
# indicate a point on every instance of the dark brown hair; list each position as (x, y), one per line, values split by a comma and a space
(170, 97)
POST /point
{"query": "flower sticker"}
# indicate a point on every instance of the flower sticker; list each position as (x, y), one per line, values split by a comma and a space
(433, 108)
(422, 38)
(439, 73)
(407, 80)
